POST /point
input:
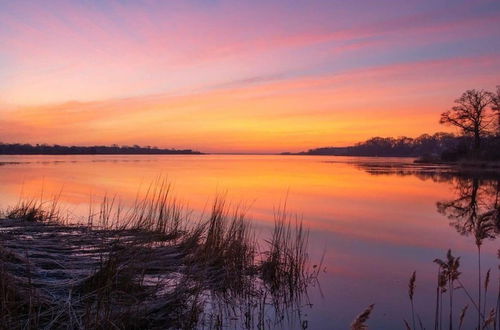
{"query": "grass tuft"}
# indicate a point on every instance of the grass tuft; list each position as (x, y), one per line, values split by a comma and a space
(148, 266)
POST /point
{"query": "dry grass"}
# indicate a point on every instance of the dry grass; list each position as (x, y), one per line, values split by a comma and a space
(284, 266)
(359, 322)
(33, 210)
(153, 267)
(448, 277)
(227, 248)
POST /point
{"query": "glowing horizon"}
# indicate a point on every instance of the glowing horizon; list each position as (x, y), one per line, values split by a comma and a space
(225, 76)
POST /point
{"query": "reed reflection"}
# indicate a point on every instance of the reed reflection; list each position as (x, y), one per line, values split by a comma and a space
(474, 210)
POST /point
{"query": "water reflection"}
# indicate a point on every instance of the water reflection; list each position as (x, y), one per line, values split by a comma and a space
(475, 211)
(376, 219)
(474, 208)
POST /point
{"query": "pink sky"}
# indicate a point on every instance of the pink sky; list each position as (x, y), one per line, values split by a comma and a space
(226, 76)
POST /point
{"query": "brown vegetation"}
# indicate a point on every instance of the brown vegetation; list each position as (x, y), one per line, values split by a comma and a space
(149, 266)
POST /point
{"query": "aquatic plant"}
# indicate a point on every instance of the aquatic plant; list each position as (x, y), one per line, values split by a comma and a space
(448, 274)
(359, 322)
(411, 292)
(148, 266)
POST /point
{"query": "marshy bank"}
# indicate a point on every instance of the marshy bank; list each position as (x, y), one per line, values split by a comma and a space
(150, 266)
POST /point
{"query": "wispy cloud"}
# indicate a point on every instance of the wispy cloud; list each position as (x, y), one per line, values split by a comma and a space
(265, 113)
(235, 71)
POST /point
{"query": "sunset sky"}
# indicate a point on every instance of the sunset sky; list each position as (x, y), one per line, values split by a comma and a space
(238, 76)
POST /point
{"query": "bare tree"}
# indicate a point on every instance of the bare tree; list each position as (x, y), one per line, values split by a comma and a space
(495, 106)
(470, 114)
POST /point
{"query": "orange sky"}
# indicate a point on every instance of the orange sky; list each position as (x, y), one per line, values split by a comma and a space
(247, 77)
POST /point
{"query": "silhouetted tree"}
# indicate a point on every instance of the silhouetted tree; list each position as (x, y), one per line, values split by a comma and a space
(496, 108)
(470, 114)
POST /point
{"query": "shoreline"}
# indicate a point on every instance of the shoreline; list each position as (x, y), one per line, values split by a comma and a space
(150, 266)
(464, 165)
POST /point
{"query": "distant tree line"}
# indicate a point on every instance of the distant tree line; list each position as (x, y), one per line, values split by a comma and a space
(476, 114)
(395, 147)
(45, 149)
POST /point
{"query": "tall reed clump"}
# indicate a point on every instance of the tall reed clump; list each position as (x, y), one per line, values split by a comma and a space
(227, 247)
(158, 211)
(33, 210)
(152, 266)
(285, 263)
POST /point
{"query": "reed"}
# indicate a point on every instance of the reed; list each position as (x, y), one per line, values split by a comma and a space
(486, 284)
(359, 322)
(33, 210)
(496, 323)
(157, 211)
(228, 245)
(450, 273)
(149, 265)
(411, 292)
(462, 317)
(284, 266)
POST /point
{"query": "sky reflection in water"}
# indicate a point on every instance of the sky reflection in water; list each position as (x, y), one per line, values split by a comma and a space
(377, 219)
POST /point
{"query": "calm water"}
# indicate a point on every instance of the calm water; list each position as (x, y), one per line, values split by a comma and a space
(377, 219)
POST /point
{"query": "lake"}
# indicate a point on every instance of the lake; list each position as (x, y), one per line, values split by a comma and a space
(375, 220)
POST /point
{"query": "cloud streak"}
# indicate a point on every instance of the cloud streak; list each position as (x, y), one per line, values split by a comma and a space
(237, 73)
(265, 114)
